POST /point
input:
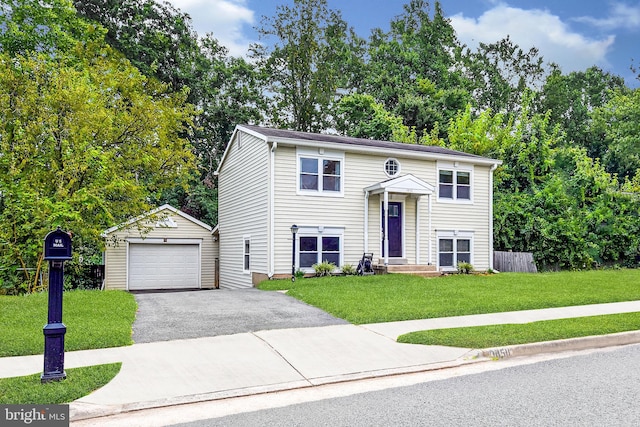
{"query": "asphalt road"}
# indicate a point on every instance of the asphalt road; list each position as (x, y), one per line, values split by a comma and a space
(601, 388)
(164, 316)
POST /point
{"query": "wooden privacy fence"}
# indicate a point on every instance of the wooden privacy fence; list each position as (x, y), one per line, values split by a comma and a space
(521, 262)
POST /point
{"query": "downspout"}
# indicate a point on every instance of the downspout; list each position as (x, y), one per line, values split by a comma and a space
(493, 168)
(386, 227)
(430, 241)
(366, 222)
(418, 230)
(272, 209)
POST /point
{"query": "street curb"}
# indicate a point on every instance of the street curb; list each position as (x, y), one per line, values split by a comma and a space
(80, 411)
(571, 344)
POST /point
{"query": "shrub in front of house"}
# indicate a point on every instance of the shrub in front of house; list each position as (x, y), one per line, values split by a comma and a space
(465, 268)
(324, 268)
(349, 270)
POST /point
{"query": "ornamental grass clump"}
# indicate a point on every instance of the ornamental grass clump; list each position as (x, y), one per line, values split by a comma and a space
(324, 268)
(465, 268)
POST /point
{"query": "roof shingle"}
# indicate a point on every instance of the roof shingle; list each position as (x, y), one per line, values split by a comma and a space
(338, 139)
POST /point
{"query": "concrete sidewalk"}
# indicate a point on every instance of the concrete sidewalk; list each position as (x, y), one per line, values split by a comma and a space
(193, 370)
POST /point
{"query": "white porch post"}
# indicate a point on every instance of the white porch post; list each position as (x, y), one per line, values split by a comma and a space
(366, 221)
(430, 241)
(386, 227)
(418, 230)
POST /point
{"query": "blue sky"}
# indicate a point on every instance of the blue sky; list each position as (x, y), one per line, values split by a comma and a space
(575, 34)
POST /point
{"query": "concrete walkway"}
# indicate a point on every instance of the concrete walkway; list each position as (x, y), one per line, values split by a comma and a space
(192, 370)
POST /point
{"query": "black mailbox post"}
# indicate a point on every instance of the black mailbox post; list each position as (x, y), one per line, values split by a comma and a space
(57, 250)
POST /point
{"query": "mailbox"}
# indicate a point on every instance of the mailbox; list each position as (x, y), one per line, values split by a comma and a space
(57, 246)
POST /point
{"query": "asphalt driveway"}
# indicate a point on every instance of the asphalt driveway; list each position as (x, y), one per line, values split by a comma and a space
(164, 316)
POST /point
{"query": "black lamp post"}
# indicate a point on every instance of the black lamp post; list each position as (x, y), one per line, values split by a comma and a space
(294, 230)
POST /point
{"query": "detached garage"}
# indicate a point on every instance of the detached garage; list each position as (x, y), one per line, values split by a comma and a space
(163, 249)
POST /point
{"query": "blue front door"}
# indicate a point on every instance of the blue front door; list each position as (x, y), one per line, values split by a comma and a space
(395, 229)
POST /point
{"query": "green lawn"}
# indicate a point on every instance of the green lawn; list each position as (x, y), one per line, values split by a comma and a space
(79, 383)
(511, 334)
(385, 298)
(94, 319)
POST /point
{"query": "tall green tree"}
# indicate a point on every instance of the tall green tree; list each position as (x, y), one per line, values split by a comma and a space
(571, 99)
(360, 116)
(49, 26)
(415, 70)
(500, 73)
(618, 121)
(305, 59)
(83, 148)
(160, 41)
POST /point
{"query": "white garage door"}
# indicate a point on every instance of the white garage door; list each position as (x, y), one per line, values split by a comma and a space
(163, 266)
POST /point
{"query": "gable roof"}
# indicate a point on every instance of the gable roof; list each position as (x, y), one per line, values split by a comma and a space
(153, 212)
(347, 143)
(407, 184)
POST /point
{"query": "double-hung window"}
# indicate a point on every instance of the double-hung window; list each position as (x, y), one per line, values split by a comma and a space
(317, 245)
(454, 185)
(454, 248)
(320, 174)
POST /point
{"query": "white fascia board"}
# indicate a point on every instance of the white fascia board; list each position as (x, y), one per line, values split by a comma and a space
(233, 137)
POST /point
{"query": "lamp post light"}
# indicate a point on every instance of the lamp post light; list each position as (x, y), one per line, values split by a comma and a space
(294, 230)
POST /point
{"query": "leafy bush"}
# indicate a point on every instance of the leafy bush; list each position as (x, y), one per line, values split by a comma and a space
(465, 268)
(325, 268)
(349, 270)
(299, 274)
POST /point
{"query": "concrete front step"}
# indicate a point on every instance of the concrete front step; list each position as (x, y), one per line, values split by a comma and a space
(410, 267)
(416, 270)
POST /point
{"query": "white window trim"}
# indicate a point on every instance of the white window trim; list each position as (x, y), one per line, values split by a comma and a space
(246, 239)
(318, 232)
(384, 166)
(319, 154)
(455, 167)
(454, 235)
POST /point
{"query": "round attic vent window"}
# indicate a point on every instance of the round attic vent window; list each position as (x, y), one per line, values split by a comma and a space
(391, 167)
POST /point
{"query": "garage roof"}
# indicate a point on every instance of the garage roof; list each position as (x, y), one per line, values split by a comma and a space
(154, 212)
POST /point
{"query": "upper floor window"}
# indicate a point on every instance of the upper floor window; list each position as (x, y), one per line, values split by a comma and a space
(320, 174)
(454, 185)
(391, 167)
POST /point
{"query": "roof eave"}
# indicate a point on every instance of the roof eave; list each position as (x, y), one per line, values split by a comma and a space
(383, 150)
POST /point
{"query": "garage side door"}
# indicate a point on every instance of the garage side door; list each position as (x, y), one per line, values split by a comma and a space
(163, 266)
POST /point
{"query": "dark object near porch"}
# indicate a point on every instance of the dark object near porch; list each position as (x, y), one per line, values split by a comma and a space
(365, 266)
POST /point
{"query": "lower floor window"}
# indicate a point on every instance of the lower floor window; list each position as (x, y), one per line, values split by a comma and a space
(317, 249)
(246, 265)
(452, 251)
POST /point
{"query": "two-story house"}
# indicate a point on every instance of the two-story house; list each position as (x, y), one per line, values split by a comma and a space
(407, 204)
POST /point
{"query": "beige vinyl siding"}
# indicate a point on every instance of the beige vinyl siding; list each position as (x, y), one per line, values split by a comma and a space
(468, 217)
(116, 254)
(359, 172)
(327, 211)
(243, 200)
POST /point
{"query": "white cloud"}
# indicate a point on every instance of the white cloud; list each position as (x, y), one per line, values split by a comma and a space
(554, 39)
(620, 16)
(224, 19)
